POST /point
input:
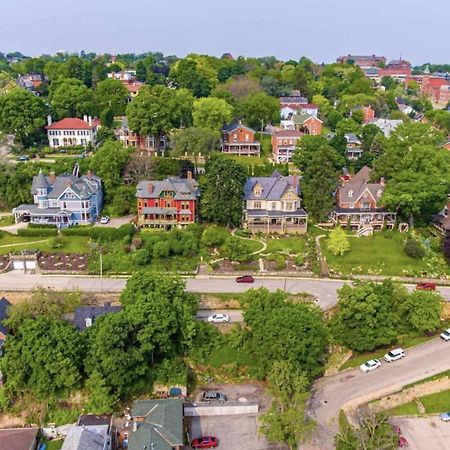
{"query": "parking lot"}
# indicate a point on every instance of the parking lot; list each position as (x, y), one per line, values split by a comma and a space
(233, 431)
(427, 433)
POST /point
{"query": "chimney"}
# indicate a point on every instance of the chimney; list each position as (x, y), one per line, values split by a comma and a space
(69, 183)
(135, 426)
(85, 118)
(382, 181)
(49, 120)
(149, 188)
(189, 174)
(295, 180)
(52, 177)
(90, 121)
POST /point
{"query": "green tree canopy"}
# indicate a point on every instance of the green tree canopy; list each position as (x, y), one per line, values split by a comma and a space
(211, 113)
(259, 109)
(195, 141)
(338, 242)
(111, 94)
(222, 192)
(423, 310)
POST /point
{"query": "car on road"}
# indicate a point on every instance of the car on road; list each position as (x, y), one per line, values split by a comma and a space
(370, 365)
(445, 416)
(205, 442)
(104, 220)
(426, 286)
(245, 279)
(445, 335)
(394, 355)
(219, 318)
(22, 158)
(213, 396)
(402, 442)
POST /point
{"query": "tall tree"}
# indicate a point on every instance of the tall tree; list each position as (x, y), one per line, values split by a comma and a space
(259, 109)
(211, 113)
(320, 165)
(186, 74)
(195, 141)
(22, 114)
(111, 94)
(222, 192)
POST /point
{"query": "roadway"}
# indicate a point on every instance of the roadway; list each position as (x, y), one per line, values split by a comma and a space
(354, 388)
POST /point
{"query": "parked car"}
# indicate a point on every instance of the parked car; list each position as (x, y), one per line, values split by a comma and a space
(426, 286)
(396, 429)
(205, 442)
(402, 442)
(394, 355)
(245, 279)
(445, 416)
(370, 365)
(445, 335)
(213, 396)
(25, 218)
(104, 220)
(219, 318)
(23, 158)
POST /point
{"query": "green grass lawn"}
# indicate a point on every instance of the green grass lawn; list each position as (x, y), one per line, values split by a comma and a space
(284, 244)
(407, 409)
(71, 244)
(436, 403)
(403, 341)
(6, 220)
(228, 355)
(54, 445)
(377, 254)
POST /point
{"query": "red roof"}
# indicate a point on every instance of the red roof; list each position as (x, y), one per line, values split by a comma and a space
(300, 105)
(72, 123)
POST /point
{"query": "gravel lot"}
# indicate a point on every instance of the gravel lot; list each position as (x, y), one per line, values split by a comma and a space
(428, 433)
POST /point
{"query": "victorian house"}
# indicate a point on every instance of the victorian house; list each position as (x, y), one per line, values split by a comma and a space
(237, 139)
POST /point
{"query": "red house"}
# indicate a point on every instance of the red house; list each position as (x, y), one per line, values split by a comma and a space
(284, 143)
(167, 203)
(237, 139)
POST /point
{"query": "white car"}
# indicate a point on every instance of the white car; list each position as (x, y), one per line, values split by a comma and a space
(370, 365)
(446, 335)
(104, 220)
(394, 355)
(219, 318)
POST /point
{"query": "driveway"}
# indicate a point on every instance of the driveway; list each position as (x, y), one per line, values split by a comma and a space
(352, 387)
(116, 222)
(425, 433)
(234, 314)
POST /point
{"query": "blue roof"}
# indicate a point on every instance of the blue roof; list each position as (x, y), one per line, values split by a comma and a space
(273, 187)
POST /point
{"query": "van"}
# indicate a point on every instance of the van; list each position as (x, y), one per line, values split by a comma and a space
(213, 396)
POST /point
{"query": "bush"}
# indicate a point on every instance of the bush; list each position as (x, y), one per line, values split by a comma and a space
(281, 263)
(57, 242)
(414, 248)
(142, 257)
(214, 236)
(38, 232)
(102, 234)
(41, 226)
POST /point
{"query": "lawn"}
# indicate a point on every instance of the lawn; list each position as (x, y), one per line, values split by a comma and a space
(381, 254)
(6, 220)
(71, 244)
(286, 244)
(433, 403)
(228, 355)
(53, 445)
(407, 409)
(249, 160)
(403, 341)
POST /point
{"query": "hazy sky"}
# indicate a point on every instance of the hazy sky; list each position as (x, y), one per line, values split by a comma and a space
(419, 30)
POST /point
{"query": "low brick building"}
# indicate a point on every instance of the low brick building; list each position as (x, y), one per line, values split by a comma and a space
(284, 143)
(237, 139)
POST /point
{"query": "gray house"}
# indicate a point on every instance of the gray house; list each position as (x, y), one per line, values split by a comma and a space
(63, 200)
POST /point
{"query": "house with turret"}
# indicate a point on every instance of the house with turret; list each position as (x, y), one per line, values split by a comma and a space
(63, 200)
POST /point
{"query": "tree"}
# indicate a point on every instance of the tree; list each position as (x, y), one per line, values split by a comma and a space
(367, 315)
(109, 162)
(7, 83)
(414, 248)
(278, 329)
(214, 236)
(423, 310)
(195, 141)
(124, 200)
(22, 114)
(111, 94)
(211, 113)
(69, 97)
(43, 356)
(241, 86)
(186, 74)
(236, 249)
(107, 118)
(338, 243)
(259, 109)
(320, 165)
(157, 110)
(222, 192)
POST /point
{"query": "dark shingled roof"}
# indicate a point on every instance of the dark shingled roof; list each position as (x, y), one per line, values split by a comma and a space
(18, 438)
(4, 305)
(91, 312)
(183, 188)
(273, 187)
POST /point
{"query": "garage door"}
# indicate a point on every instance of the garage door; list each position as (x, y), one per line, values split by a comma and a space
(18, 265)
(30, 265)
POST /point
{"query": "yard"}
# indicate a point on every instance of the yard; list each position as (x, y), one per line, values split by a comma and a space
(433, 404)
(381, 254)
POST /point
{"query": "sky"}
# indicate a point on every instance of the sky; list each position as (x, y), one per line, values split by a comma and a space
(417, 30)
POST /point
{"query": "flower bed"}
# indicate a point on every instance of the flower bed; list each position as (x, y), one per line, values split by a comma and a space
(71, 262)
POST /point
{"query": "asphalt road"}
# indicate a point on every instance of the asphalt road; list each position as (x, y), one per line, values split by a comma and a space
(353, 387)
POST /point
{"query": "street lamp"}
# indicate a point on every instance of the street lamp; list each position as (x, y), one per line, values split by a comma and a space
(96, 246)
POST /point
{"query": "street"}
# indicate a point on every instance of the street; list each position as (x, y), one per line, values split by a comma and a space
(352, 387)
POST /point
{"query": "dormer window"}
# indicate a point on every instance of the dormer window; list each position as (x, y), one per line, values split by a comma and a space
(379, 193)
(350, 193)
(257, 190)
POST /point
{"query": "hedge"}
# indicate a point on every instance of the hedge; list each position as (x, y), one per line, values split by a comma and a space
(38, 225)
(39, 232)
(102, 234)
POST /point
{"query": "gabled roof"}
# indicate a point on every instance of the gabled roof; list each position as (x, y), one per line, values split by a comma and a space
(352, 138)
(183, 188)
(161, 427)
(234, 126)
(4, 305)
(92, 312)
(302, 116)
(81, 438)
(18, 438)
(72, 123)
(273, 187)
(288, 134)
(359, 184)
(294, 99)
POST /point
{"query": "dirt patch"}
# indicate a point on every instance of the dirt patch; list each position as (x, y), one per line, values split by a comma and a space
(210, 301)
(4, 261)
(226, 266)
(73, 262)
(87, 299)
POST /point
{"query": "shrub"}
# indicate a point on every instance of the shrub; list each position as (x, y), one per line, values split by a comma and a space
(214, 236)
(142, 257)
(299, 260)
(338, 243)
(38, 232)
(281, 263)
(57, 242)
(102, 234)
(137, 242)
(414, 248)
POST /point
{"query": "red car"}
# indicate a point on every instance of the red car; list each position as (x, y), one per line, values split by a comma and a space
(245, 279)
(402, 442)
(426, 286)
(205, 442)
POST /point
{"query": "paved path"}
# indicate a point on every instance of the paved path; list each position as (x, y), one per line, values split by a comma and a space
(353, 387)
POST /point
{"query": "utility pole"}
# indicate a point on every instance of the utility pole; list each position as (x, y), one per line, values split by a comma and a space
(101, 268)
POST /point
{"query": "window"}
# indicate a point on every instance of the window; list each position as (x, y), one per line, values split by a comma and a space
(257, 205)
(234, 137)
(274, 205)
(55, 142)
(350, 193)
(379, 193)
(351, 206)
(289, 206)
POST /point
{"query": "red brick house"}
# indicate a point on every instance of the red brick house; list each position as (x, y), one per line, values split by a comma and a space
(307, 123)
(237, 139)
(358, 204)
(369, 114)
(172, 202)
(363, 60)
(284, 143)
(399, 69)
